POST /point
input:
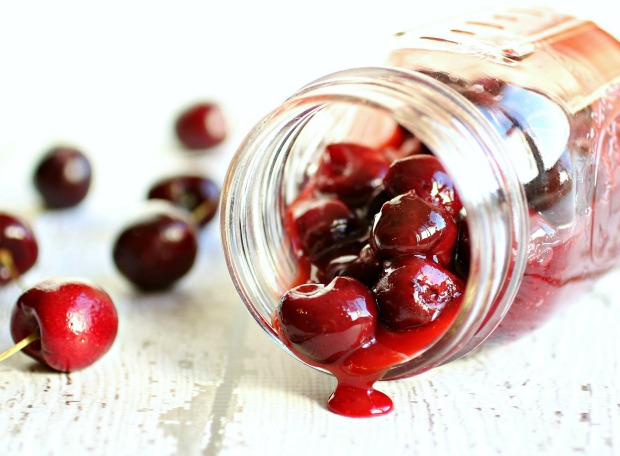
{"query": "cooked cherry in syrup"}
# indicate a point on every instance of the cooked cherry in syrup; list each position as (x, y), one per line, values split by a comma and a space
(378, 227)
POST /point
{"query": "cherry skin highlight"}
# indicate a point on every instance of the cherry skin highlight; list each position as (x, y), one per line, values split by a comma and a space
(325, 322)
(19, 249)
(425, 175)
(364, 267)
(413, 291)
(63, 177)
(201, 126)
(408, 225)
(157, 250)
(462, 251)
(351, 172)
(197, 194)
(323, 225)
(76, 320)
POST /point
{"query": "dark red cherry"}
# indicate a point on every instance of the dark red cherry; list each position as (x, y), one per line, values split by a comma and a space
(18, 247)
(425, 175)
(376, 201)
(323, 225)
(550, 192)
(484, 91)
(351, 172)
(201, 126)
(413, 292)
(326, 322)
(197, 194)
(68, 324)
(364, 267)
(408, 225)
(63, 177)
(462, 252)
(156, 250)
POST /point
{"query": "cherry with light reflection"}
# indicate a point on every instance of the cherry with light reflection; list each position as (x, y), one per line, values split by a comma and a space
(156, 250)
(66, 324)
(195, 193)
(63, 177)
(18, 247)
(201, 126)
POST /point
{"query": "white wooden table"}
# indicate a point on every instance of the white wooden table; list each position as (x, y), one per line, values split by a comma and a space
(190, 372)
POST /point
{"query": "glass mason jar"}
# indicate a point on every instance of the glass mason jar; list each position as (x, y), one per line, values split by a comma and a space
(522, 108)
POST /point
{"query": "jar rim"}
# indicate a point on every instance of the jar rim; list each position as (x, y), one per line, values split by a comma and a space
(462, 139)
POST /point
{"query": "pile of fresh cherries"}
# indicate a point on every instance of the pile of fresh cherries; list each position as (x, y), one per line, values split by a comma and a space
(68, 323)
(381, 240)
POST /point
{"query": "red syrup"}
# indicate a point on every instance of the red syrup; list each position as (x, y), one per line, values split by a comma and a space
(572, 195)
(393, 340)
(356, 373)
(560, 262)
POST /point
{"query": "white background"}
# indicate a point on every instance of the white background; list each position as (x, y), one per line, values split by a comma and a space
(191, 372)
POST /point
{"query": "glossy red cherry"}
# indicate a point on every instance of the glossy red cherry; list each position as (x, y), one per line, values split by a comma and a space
(156, 250)
(197, 194)
(484, 91)
(374, 206)
(425, 175)
(323, 225)
(462, 251)
(408, 225)
(63, 177)
(551, 192)
(364, 267)
(326, 322)
(351, 172)
(413, 292)
(201, 126)
(18, 247)
(68, 323)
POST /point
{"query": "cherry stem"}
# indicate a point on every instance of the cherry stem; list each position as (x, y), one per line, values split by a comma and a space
(6, 260)
(201, 210)
(20, 345)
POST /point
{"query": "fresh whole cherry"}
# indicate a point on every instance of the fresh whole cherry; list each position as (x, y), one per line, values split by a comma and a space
(408, 225)
(413, 291)
(66, 324)
(158, 249)
(326, 322)
(425, 175)
(18, 247)
(351, 172)
(63, 177)
(197, 194)
(201, 126)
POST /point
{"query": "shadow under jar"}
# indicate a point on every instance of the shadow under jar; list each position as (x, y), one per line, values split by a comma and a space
(522, 109)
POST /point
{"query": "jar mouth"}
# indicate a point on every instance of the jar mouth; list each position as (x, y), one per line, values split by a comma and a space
(269, 168)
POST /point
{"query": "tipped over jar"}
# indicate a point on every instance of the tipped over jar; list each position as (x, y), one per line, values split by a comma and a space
(385, 220)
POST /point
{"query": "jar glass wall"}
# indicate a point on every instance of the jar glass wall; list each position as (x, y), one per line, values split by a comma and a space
(524, 120)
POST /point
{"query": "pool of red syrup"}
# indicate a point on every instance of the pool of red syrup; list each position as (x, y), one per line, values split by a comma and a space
(357, 372)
